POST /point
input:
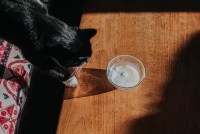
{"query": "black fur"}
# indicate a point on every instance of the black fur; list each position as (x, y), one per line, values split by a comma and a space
(48, 43)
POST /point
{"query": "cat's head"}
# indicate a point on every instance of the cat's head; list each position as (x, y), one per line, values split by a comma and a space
(72, 46)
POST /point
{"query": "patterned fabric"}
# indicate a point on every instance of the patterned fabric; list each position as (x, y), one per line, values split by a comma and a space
(15, 74)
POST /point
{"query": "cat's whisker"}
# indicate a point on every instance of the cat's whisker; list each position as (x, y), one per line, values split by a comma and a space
(77, 70)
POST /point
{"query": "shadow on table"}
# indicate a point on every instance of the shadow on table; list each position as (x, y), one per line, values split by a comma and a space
(141, 6)
(91, 82)
(180, 107)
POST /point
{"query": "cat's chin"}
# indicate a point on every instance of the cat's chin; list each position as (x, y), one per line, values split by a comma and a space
(72, 82)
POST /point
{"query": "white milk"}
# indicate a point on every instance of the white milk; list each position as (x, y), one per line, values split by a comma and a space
(124, 75)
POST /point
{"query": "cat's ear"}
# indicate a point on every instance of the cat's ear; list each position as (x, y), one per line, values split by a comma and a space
(89, 33)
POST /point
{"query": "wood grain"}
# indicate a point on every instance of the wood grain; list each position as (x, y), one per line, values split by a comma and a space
(167, 102)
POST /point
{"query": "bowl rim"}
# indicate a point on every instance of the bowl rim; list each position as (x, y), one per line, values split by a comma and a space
(131, 56)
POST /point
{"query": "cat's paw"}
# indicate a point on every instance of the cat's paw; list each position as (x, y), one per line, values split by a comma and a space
(72, 82)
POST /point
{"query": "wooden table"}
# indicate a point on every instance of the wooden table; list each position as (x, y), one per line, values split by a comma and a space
(168, 43)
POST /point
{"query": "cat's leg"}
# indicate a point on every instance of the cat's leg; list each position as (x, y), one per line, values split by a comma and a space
(43, 3)
(60, 74)
(64, 76)
(49, 66)
(39, 2)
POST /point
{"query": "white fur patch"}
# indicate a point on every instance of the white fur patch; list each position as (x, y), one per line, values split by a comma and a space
(72, 82)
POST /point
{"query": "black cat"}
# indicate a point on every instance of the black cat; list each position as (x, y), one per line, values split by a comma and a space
(48, 43)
